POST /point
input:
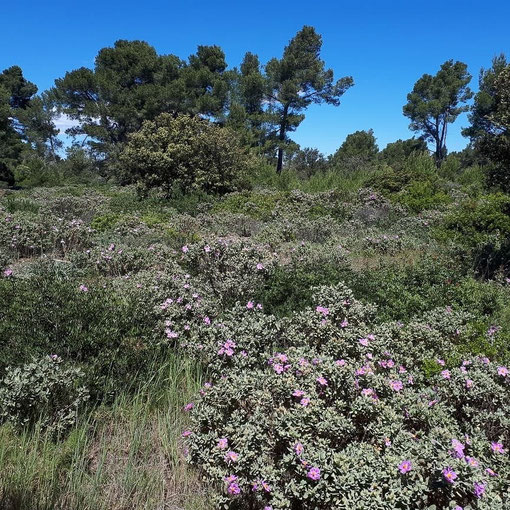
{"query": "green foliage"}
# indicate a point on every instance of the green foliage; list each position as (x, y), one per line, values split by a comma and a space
(297, 80)
(91, 325)
(396, 153)
(478, 219)
(131, 83)
(184, 153)
(495, 144)
(484, 101)
(308, 161)
(416, 184)
(435, 101)
(256, 205)
(104, 222)
(359, 150)
(45, 391)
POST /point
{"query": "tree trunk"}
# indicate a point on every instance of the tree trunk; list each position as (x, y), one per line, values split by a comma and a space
(281, 137)
(438, 153)
(279, 165)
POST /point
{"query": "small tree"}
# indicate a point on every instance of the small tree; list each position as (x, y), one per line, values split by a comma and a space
(359, 149)
(297, 80)
(435, 101)
(308, 161)
(185, 153)
(396, 153)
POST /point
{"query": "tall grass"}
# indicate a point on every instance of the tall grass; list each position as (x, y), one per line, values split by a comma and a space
(287, 180)
(126, 456)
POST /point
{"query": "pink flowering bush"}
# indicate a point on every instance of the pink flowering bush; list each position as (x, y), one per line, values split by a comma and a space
(330, 409)
(230, 268)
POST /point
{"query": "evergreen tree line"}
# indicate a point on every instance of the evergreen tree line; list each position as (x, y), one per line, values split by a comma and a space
(131, 84)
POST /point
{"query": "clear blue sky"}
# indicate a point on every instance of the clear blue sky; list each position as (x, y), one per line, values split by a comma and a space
(385, 45)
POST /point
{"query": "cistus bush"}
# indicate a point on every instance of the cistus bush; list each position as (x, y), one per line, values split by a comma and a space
(184, 153)
(47, 391)
(343, 412)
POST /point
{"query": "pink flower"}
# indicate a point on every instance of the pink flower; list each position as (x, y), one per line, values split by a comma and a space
(233, 488)
(278, 368)
(440, 362)
(222, 443)
(299, 449)
(449, 475)
(471, 461)
(344, 323)
(83, 288)
(189, 407)
(314, 473)
(396, 385)
(322, 381)
(469, 383)
(363, 341)
(250, 305)
(405, 466)
(340, 362)
(298, 393)
(368, 392)
(497, 448)
(207, 248)
(323, 310)
(490, 472)
(458, 448)
(260, 266)
(446, 374)
(8, 272)
(187, 433)
(231, 456)
(207, 320)
(304, 401)
(185, 249)
(479, 489)
(503, 371)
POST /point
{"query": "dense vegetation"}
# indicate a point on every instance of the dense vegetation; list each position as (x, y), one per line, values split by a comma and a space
(182, 326)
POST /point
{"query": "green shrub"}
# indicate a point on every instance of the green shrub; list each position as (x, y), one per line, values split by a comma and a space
(46, 391)
(104, 222)
(184, 153)
(416, 184)
(480, 229)
(340, 414)
(475, 219)
(106, 332)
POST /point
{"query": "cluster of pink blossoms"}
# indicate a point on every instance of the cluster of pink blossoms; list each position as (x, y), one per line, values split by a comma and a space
(280, 363)
(227, 349)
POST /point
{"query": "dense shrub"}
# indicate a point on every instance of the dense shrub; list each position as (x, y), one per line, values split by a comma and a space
(51, 312)
(480, 229)
(46, 391)
(183, 153)
(341, 414)
(415, 185)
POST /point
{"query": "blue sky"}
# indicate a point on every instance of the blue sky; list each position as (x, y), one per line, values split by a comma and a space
(385, 45)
